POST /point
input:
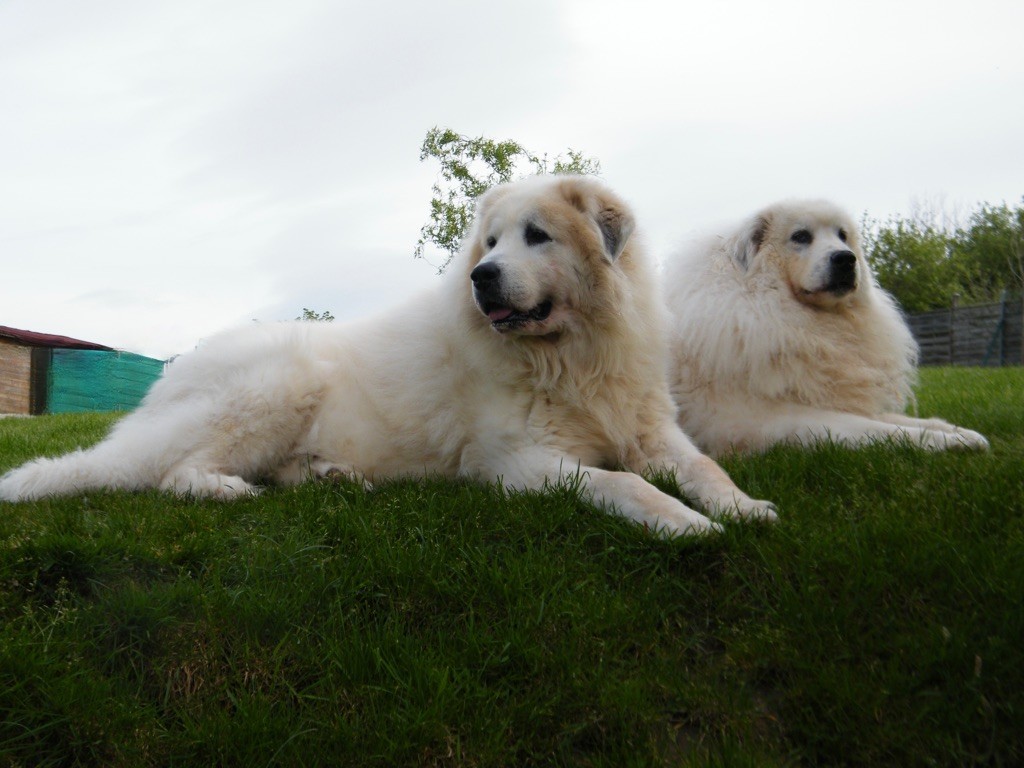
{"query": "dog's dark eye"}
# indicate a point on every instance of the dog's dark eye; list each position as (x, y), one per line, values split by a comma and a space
(842, 235)
(534, 235)
(802, 236)
(491, 242)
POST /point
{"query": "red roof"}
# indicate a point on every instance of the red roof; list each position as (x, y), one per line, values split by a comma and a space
(33, 339)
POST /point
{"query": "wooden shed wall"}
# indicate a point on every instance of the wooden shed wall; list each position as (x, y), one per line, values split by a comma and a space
(15, 377)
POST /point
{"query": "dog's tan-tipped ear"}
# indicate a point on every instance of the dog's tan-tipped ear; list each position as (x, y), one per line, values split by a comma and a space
(616, 225)
(750, 239)
(613, 218)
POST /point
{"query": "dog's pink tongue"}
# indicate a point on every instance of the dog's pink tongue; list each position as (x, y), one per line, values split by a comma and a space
(495, 315)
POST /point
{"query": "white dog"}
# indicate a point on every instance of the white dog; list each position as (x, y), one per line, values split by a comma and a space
(540, 356)
(781, 334)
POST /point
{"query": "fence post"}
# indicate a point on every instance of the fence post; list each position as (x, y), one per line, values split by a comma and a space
(953, 304)
(1002, 327)
(998, 335)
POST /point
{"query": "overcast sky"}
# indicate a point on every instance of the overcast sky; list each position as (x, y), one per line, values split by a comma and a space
(168, 169)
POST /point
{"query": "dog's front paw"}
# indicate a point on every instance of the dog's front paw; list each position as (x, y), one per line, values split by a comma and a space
(690, 525)
(669, 517)
(752, 509)
(971, 440)
(956, 439)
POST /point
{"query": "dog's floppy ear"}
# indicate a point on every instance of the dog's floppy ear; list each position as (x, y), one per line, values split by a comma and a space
(749, 241)
(613, 218)
(616, 225)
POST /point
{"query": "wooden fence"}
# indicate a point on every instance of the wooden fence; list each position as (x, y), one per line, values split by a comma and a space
(983, 334)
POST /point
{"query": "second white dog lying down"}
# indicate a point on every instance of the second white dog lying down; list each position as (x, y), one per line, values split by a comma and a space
(781, 334)
(540, 355)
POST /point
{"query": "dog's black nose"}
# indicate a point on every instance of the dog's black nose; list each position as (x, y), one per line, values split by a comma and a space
(844, 260)
(842, 272)
(485, 273)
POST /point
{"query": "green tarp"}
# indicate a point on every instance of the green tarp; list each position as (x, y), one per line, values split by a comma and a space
(94, 380)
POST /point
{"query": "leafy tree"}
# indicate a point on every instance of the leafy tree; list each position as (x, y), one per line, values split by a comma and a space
(913, 262)
(991, 249)
(313, 316)
(924, 263)
(469, 167)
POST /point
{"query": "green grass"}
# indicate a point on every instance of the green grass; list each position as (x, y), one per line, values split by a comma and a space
(879, 623)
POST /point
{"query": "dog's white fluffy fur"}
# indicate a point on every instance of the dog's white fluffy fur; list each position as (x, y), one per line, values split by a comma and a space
(780, 333)
(541, 355)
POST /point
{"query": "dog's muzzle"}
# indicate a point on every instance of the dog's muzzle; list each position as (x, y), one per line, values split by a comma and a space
(490, 298)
